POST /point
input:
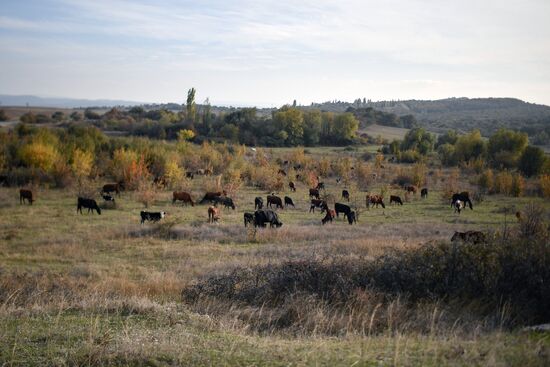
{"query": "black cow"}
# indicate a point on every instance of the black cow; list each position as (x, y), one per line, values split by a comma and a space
(292, 186)
(474, 237)
(190, 175)
(345, 195)
(314, 193)
(89, 204)
(272, 199)
(108, 198)
(261, 217)
(352, 217)
(342, 208)
(395, 199)
(211, 197)
(424, 193)
(317, 203)
(320, 186)
(225, 201)
(464, 197)
(25, 195)
(248, 219)
(151, 216)
(288, 201)
(258, 203)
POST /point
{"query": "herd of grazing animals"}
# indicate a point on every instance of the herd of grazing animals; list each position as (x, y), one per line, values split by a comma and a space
(262, 216)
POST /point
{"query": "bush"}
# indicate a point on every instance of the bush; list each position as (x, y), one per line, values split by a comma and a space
(503, 183)
(544, 183)
(486, 180)
(518, 185)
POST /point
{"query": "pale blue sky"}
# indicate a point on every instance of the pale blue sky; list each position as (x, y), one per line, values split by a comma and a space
(271, 52)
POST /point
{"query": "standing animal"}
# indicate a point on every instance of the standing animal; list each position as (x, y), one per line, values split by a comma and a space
(375, 200)
(89, 204)
(458, 205)
(288, 201)
(395, 199)
(225, 201)
(211, 196)
(345, 195)
(314, 193)
(292, 186)
(108, 198)
(151, 216)
(213, 214)
(318, 203)
(25, 194)
(109, 188)
(258, 203)
(424, 193)
(248, 219)
(190, 175)
(281, 172)
(411, 188)
(272, 199)
(320, 186)
(352, 217)
(464, 196)
(261, 217)
(342, 208)
(182, 196)
(474, 237)
(329, 216)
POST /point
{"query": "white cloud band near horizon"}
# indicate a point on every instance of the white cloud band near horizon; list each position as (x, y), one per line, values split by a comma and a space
(271, 52)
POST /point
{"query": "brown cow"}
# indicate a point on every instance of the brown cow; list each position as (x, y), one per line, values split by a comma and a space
(314, 193)
(116, 188)
(25, 194)
(272, 199)
(411, 188)
(182, 196)
(329, 216)
(213, 214)
(395, 199)
(375, 200)
(292, 186)
(317, 203)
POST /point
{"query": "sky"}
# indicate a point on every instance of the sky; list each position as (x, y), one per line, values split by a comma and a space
(268, 53)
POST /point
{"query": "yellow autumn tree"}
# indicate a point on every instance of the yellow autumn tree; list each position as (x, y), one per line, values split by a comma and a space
(82, 163)
(39, 155)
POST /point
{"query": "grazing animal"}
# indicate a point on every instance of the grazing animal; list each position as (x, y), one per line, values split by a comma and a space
(211, 197)
(288, 201)
(292, 186)
(182, 196)
(314, 193)
(262, 217)
(25, 194)
(109, 188)
(518, 216)
(352, 217)
(108, 198)
(474, 237)
(342, 208)
(411, 188)
(395, 199)
(345, 195)
(151, 216)
(318, 203)
(320, 186)
(329, 216)
(338, 179)
(200, 171)
(208, 172)
(464, 196)
(213, 214)
(258, 203)
(281, 172)
(272, 199)
(89, 204)
(375, 200)
(458, 205)
(190, 175)
(225, 201)
(248, 219)
(424, 193)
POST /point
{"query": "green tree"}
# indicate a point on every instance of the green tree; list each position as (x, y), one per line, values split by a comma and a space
(344, 127)
(3, 116)
(447, 154)
(470, 146)
(58, 116)
(531, 161)
(312, 127)
(506, 146)
(450, 137)
(419, 140)
(291, 121)
(191, 106)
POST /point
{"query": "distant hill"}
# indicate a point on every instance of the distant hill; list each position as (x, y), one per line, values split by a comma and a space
(60, 102)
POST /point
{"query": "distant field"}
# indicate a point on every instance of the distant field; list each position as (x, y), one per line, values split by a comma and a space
(386, 132)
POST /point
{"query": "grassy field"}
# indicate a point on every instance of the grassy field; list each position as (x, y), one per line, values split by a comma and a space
(105, 290)
(386, 132)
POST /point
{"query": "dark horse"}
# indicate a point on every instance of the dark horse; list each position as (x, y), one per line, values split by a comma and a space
(464, 197)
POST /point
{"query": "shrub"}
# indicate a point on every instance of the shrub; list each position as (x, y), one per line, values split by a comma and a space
(363, 175)
(486, 180)
(146, 192)
(503, 182)
(518, 185)
(544, 183)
